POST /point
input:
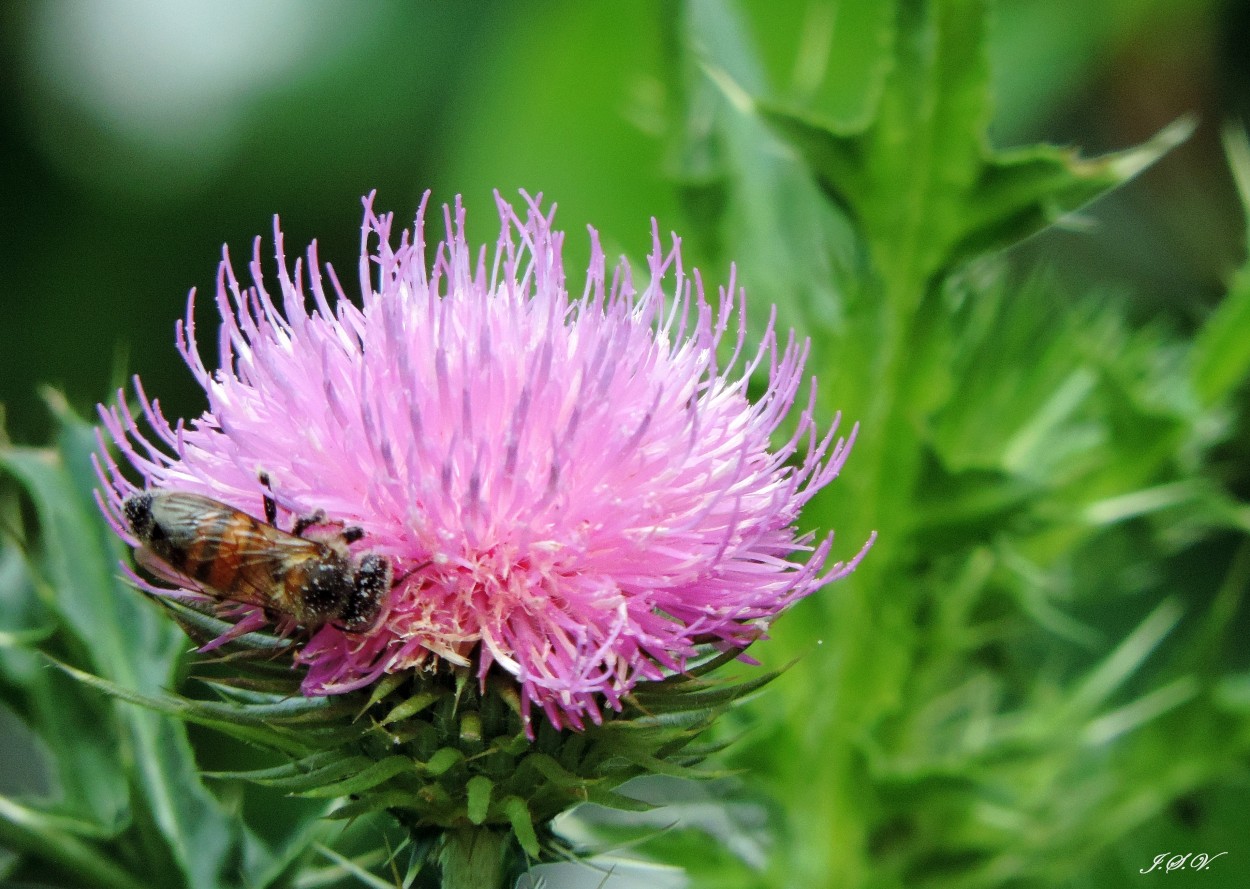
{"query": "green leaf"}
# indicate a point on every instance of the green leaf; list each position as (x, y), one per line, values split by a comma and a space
(522, 824)
(831, 56)
(410, 707)
(302, 776)
(919, 177)
(56, 840)
(381, 800)
(1147, 708)
(301, 766)
(546, 766)
(125, 636)
(479, 791)
(1222, 347)
(613, 800)
(286, 711)
(657, 699)
(443, 759)
(203, 628)
(1221, 350)
(73, 726)
(383, 688)
(368, 777)
(357, 870)
(127, 639)
(672, 767)
(199, 712)
(1024, 461)
(1124, 661)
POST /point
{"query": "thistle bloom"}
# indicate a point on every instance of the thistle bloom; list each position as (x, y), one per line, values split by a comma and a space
(571, 489)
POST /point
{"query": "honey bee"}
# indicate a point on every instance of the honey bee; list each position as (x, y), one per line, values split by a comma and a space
(233, 556)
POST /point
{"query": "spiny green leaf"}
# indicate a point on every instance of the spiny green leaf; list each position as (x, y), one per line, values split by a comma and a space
(382, 689)
(79, 732)
(370, 776)
(293, 707)
(697, 670)
(127, 640)
(410, 707)
(613, 800)
(522, 824)
(712, 697)
(641, 732)
(301, 781)
(699, 752)
(301, 766)
(671, 766)
(1151, 706)
(430, 798)
(206, 627)
(551, 770)
(832, 57)
(253, 731)
(920, 179)
(289, 712)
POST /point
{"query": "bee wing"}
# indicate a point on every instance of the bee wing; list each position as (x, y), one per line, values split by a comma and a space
(244, 588)
(261, 556)
(258, 555)
(182, 509)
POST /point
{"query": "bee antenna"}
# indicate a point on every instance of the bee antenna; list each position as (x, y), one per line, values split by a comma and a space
(411, 571)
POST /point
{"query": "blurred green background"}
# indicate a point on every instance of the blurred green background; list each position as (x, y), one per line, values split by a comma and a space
(138, 136)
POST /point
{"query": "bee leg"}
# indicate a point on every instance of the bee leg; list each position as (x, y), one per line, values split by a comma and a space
(352, 534)
(303, 523)
(271, 506)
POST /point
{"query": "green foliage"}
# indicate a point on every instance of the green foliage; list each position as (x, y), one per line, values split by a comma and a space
(999, 698)
(918, 178)
(124, 805)
(435, 752)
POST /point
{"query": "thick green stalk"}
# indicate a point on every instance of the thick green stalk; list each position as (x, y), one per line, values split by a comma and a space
(474, 858)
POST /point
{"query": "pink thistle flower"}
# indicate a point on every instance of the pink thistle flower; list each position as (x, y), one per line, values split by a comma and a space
(571, 489)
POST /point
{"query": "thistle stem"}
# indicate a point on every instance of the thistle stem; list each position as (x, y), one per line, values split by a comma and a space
(473, 858)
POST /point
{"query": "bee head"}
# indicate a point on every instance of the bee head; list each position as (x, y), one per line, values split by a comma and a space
(138, 512)
(372, 583)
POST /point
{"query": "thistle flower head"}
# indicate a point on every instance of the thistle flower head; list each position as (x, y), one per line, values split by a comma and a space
(571, 488)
